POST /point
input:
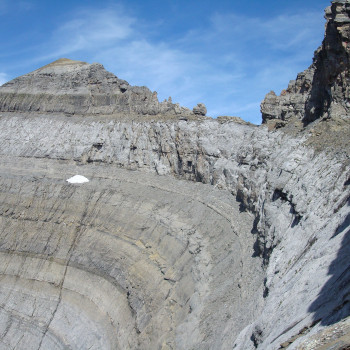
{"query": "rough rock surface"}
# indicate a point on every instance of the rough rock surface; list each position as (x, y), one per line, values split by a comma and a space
(129, 260)
(200, 109)
(75, 87)
(323, 90)
(190, 234)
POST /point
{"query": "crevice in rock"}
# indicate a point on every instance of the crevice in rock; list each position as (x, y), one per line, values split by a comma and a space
(98, 146)
(347, 182)
(256, 337)
(279, 194)
(179, 162)
(261, 248)
(266, 289)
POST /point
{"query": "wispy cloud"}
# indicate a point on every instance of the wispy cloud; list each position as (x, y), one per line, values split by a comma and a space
(229, 65)
(280, 32)
(94, 29)
(3, 78)
(90, 31)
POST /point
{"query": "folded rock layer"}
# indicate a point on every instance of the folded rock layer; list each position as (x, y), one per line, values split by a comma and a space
(323, 89)
(191, 232)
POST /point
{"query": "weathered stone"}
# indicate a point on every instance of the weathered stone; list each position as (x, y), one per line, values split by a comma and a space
(190, 234)
(323, 89)
(272, 174)
(200, 109)
(79, 88)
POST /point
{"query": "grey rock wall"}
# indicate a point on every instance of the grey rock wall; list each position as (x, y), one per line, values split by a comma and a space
(129, 260)
(291, 201)
(192, 233)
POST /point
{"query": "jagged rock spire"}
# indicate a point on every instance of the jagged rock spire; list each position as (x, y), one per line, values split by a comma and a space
(323, 90)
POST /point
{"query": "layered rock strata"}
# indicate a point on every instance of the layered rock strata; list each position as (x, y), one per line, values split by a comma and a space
(79, 88)
(126, 261)
(192, 233)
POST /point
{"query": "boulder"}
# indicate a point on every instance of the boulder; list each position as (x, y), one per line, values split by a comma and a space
(200, 109)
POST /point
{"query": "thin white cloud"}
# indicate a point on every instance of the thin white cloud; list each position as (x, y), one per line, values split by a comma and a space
(89, 31)
(281, 32)
(229, 65)
(95, 28)
(3, 78)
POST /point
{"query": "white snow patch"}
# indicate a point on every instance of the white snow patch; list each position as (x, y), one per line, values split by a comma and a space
(77, 179)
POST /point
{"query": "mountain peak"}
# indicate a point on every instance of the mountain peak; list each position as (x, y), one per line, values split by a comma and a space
(64, 62)
(75, 87)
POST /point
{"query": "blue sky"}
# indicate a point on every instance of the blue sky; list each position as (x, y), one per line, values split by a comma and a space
(225, 53)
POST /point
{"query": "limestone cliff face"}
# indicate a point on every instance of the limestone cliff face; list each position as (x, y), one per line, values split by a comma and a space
(74, 87)
(322, 90)
(297, 197)
(192, 233)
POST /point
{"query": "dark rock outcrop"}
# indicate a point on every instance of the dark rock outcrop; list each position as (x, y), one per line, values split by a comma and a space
(321, 91)
(200, 109)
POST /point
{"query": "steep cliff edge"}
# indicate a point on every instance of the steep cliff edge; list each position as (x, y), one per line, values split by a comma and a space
(321, 91)
(192, 233)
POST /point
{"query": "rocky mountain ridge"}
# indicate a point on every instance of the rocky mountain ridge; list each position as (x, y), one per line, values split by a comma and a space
(79, 88)
(202, 233)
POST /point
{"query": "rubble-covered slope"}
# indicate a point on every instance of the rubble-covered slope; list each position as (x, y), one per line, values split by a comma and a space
(192, 233)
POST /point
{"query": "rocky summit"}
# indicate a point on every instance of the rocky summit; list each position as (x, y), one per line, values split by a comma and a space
(129, 223)
(79, 88)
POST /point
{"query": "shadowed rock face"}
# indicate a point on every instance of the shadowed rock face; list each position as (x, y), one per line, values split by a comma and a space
(323, 89)
(190, 234)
